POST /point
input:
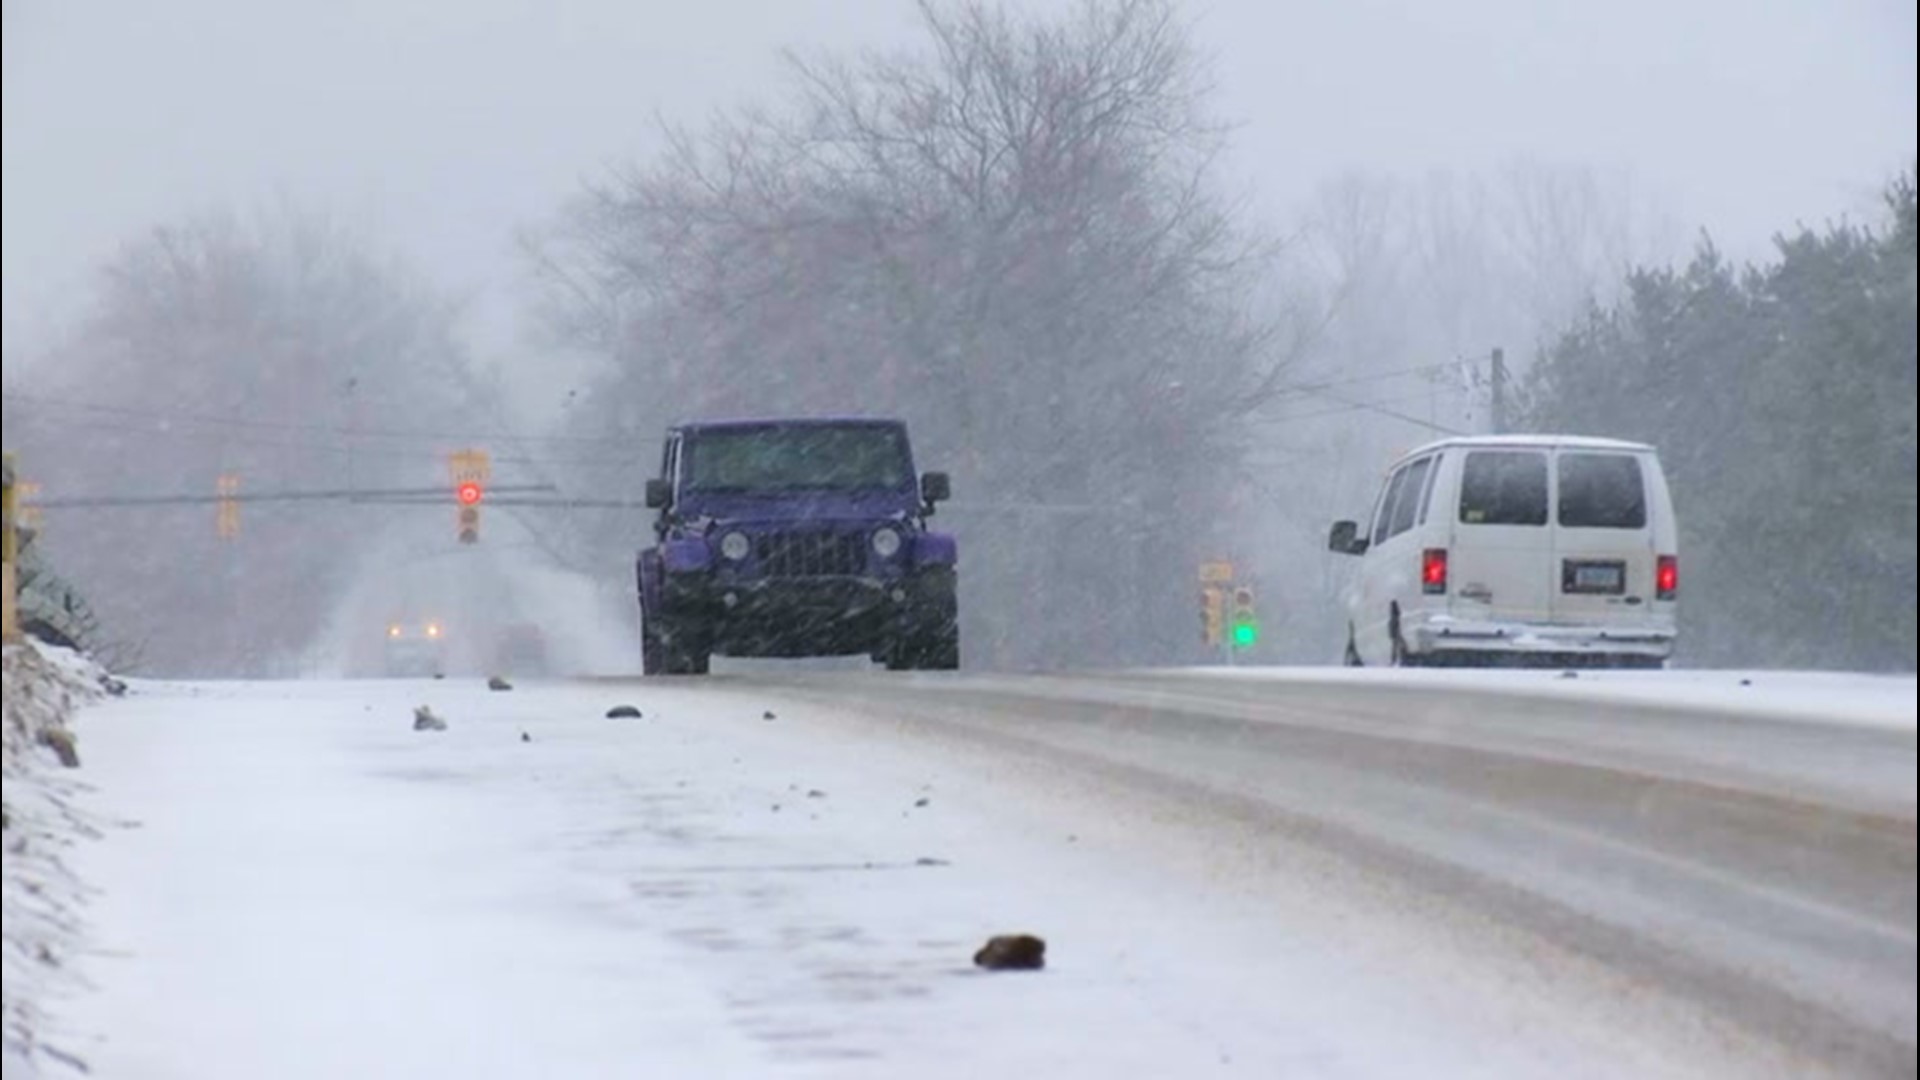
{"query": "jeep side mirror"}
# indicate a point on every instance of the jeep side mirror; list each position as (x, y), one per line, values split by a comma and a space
(1345, 538)
(659, 494)
(935, 487)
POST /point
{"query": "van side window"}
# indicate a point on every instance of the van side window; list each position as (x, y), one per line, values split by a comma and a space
(1602, 491)
(1504, 487)
(1409, 501)
(1426, 490)
(1384, 516)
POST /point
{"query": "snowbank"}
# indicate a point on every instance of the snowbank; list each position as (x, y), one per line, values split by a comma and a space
(1874, 700)
(39, 898)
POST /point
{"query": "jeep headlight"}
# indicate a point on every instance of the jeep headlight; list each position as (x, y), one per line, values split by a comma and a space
(734, 546)
(886, 542)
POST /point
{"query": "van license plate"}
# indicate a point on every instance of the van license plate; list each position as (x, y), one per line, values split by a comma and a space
(1607, 578)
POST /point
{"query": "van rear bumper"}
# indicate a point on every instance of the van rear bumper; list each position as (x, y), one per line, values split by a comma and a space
(1434, 635)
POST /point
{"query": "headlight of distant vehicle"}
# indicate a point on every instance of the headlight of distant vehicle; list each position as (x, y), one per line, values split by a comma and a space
(886, 543)
(734, 546)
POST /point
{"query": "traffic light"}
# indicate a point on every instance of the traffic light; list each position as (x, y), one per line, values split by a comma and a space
(1246, 626)
(1212, 615)
(468, 495)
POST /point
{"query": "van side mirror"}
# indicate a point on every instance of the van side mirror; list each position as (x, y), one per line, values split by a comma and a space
(1345, 538)
(659, 494)
(935, 487)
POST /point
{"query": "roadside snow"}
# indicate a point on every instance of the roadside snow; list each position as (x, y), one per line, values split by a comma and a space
(39, 896)
(1831, 697)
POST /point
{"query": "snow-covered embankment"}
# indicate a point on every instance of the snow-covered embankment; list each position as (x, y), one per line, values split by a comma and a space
(39, 898)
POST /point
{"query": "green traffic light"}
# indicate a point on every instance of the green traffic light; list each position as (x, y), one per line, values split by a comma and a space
(1245, 634)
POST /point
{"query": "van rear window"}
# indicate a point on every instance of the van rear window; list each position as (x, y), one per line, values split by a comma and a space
(1504, 487)
(1602, 491)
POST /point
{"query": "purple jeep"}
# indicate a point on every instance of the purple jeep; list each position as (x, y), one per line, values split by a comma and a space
(796, 538)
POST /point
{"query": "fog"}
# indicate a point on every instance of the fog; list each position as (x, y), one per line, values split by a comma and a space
(447, 125)
(1398, 188)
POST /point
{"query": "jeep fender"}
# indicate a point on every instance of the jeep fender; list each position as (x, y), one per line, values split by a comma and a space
(686, 556)
(932, 549)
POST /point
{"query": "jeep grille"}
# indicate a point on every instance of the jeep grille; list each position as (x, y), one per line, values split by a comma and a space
(811, 554)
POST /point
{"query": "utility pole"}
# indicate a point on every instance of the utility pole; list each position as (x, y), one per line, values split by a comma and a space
(1498, 382)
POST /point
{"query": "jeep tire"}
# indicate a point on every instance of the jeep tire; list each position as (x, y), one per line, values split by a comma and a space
(931, 639)
(674, 648)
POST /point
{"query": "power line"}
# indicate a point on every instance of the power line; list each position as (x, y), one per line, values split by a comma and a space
(360, 495)
(177, 416)
(158, 430)
(1367, 406)
(1378, 376)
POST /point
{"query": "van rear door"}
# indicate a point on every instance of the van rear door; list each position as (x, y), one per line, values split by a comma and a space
(1603, 558)
(1497, 567)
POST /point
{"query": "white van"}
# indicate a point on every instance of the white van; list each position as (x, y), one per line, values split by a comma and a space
(1542, 549)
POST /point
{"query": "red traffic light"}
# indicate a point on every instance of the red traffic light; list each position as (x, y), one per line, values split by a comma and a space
(468, 493)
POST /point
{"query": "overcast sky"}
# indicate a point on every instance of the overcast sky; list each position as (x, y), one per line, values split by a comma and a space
(443, 125)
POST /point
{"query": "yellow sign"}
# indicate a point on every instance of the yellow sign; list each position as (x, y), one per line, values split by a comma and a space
(1216, 572)
(470, 466)
(227, 518)
(9, 592)
(26, 515)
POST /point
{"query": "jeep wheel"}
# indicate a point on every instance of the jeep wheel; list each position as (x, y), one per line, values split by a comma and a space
(941, 652)
(673, 649)
(922, 651)
(653, 652)
(931, 641)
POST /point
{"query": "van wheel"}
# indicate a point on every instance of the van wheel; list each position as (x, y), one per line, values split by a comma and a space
(1402, 656)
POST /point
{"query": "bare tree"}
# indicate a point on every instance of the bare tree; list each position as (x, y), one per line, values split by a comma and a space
(1013, 237)
(279, 348)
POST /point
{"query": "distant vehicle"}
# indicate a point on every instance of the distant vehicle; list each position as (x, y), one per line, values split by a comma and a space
(416, 648)
(522, 650)
(1516, 549)
(796, 538)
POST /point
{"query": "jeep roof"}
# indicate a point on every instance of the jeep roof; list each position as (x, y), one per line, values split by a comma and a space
(786, 421)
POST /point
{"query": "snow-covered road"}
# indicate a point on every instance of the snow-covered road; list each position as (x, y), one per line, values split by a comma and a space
(1238, 876)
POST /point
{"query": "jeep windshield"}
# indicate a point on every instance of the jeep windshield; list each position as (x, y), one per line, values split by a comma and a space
(778, 460)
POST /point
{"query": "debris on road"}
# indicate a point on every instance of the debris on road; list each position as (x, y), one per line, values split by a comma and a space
(498, 683)
(1012, 952)
(623, 712)
(425, 720)
(524, 737)
(768, 715)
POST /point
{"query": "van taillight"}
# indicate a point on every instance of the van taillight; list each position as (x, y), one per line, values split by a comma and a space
(1666, 577)
(1433, 570)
